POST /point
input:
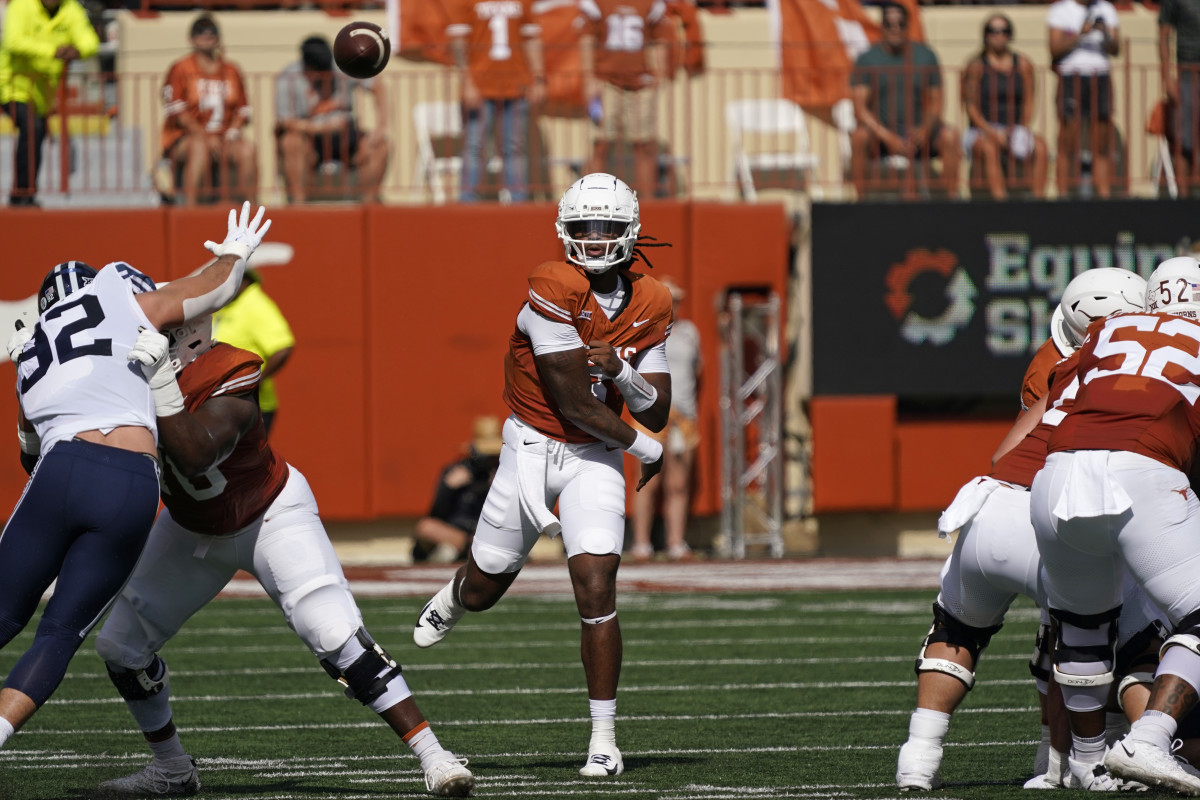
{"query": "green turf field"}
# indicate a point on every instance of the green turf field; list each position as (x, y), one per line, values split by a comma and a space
(722, 696)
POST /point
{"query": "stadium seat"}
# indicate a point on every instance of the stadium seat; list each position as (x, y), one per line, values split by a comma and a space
(438, 129)
(780, 132)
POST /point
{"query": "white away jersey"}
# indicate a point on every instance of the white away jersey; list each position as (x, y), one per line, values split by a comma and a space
(74, 375)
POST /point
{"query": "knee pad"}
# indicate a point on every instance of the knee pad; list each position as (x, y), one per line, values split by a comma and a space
(947, 629)
(1039, 662)
(1137, 660)
(1187, 634)
(1084, 656)
(495, 560)
(324, 615)
(367, 678)
(139, 684)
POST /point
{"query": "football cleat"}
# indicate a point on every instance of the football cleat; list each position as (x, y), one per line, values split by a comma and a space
(176, 777)
(1136, 761)
(438, 617)
(1043, 781)
(1098, 778)
(450, 777)
(918, 765)
(603, 761)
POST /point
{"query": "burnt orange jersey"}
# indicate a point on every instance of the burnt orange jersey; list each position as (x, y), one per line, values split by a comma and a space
(1033, 385)
(1019, 465)
(235, 492)
(561, 292)
(495, 33)
(1139, 379)
(622, 29)
(217, 100)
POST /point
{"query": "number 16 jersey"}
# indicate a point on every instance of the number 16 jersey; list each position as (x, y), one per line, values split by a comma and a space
(1139, 380)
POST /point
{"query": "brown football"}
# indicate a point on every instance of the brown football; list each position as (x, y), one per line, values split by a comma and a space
(362, 49)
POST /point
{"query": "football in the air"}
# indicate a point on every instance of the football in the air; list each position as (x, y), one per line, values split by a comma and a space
(362, 49)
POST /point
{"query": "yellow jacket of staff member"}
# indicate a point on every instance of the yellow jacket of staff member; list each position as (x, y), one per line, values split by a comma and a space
(252, 321)
(29, 72)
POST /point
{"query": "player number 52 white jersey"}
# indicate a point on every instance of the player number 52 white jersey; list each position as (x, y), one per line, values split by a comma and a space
(74, 375)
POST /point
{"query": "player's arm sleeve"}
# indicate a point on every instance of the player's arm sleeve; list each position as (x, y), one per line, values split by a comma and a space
(547, 336)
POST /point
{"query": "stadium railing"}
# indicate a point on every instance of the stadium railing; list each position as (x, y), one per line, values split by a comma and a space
(104, 146)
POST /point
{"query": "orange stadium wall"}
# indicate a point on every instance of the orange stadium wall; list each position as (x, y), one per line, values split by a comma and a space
(401, 317)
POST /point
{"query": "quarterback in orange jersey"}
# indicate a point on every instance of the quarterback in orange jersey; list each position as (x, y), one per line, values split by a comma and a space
(590, 339)
(1114, 497)
(206, 113)
(233, 503)
(995, 555)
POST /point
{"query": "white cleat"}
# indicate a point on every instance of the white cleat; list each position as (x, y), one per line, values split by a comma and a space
(438, 617)
(177, 777)
(1140, 761)
(603, 761)
(1042, 781)
(1098, 778)
(918, 765)
(450, 777)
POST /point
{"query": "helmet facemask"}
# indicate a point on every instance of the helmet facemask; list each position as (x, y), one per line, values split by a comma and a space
(599, 212)
(188, 341)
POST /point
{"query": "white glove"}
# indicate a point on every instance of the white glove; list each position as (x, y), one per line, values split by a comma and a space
(151, 351)
(244, 235)
(16, 342)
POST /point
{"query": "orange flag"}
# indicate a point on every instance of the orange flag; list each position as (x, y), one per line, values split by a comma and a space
(819, 41)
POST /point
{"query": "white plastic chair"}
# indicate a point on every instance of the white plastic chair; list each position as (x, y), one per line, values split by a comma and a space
(436, 120)
(781, 120)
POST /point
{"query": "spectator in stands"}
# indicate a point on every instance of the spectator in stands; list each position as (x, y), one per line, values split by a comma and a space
(252, 321)
(207, 113)
(40, 38)
(444, 534)
(999, 92)
(316, 125)
(501, 83)
(896, 86)
(624, 61)
(1182, 89)
(679, 440)
(1082, 41)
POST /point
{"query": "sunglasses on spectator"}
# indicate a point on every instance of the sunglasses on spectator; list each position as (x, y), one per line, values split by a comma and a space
(894, 24)
(1000, 31)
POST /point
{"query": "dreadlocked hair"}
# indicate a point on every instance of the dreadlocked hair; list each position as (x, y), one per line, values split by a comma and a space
(646, 241)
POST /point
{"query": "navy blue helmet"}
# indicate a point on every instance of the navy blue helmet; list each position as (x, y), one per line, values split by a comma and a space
(64, 279)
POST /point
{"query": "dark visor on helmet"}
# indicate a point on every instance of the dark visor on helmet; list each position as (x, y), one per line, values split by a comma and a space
(596, 229)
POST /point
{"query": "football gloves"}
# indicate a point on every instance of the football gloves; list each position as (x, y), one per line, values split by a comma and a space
(152, 353)
(244, 235)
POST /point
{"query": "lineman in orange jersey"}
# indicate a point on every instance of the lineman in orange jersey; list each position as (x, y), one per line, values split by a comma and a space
(590, 338)
(995, 556)
(1114, 496)
(233, 503)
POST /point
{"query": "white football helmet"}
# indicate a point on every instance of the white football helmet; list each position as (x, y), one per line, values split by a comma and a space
(598, 209)
(187, 341)
(1090, 296)
(1174, 288)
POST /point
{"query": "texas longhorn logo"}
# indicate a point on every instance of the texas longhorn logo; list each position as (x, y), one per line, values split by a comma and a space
(960, 296)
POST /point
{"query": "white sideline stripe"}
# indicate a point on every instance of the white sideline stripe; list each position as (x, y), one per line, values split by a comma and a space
(728, 687)
(626, 719)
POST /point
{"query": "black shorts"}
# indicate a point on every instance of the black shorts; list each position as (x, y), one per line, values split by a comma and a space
(336, 146)
(1085, 97)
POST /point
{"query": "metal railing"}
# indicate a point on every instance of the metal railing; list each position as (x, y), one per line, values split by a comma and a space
(104, 147)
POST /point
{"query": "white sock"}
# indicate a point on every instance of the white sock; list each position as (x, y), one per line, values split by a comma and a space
(604, 721)
(1056, 766)
(1088, 749)
(425, 745)
(6, 731)
(930, 725)
(167, 749)
(1156, 728)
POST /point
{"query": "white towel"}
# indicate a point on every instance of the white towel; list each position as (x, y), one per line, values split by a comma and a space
(966, 505)
(532, 458)
(1088, 490)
